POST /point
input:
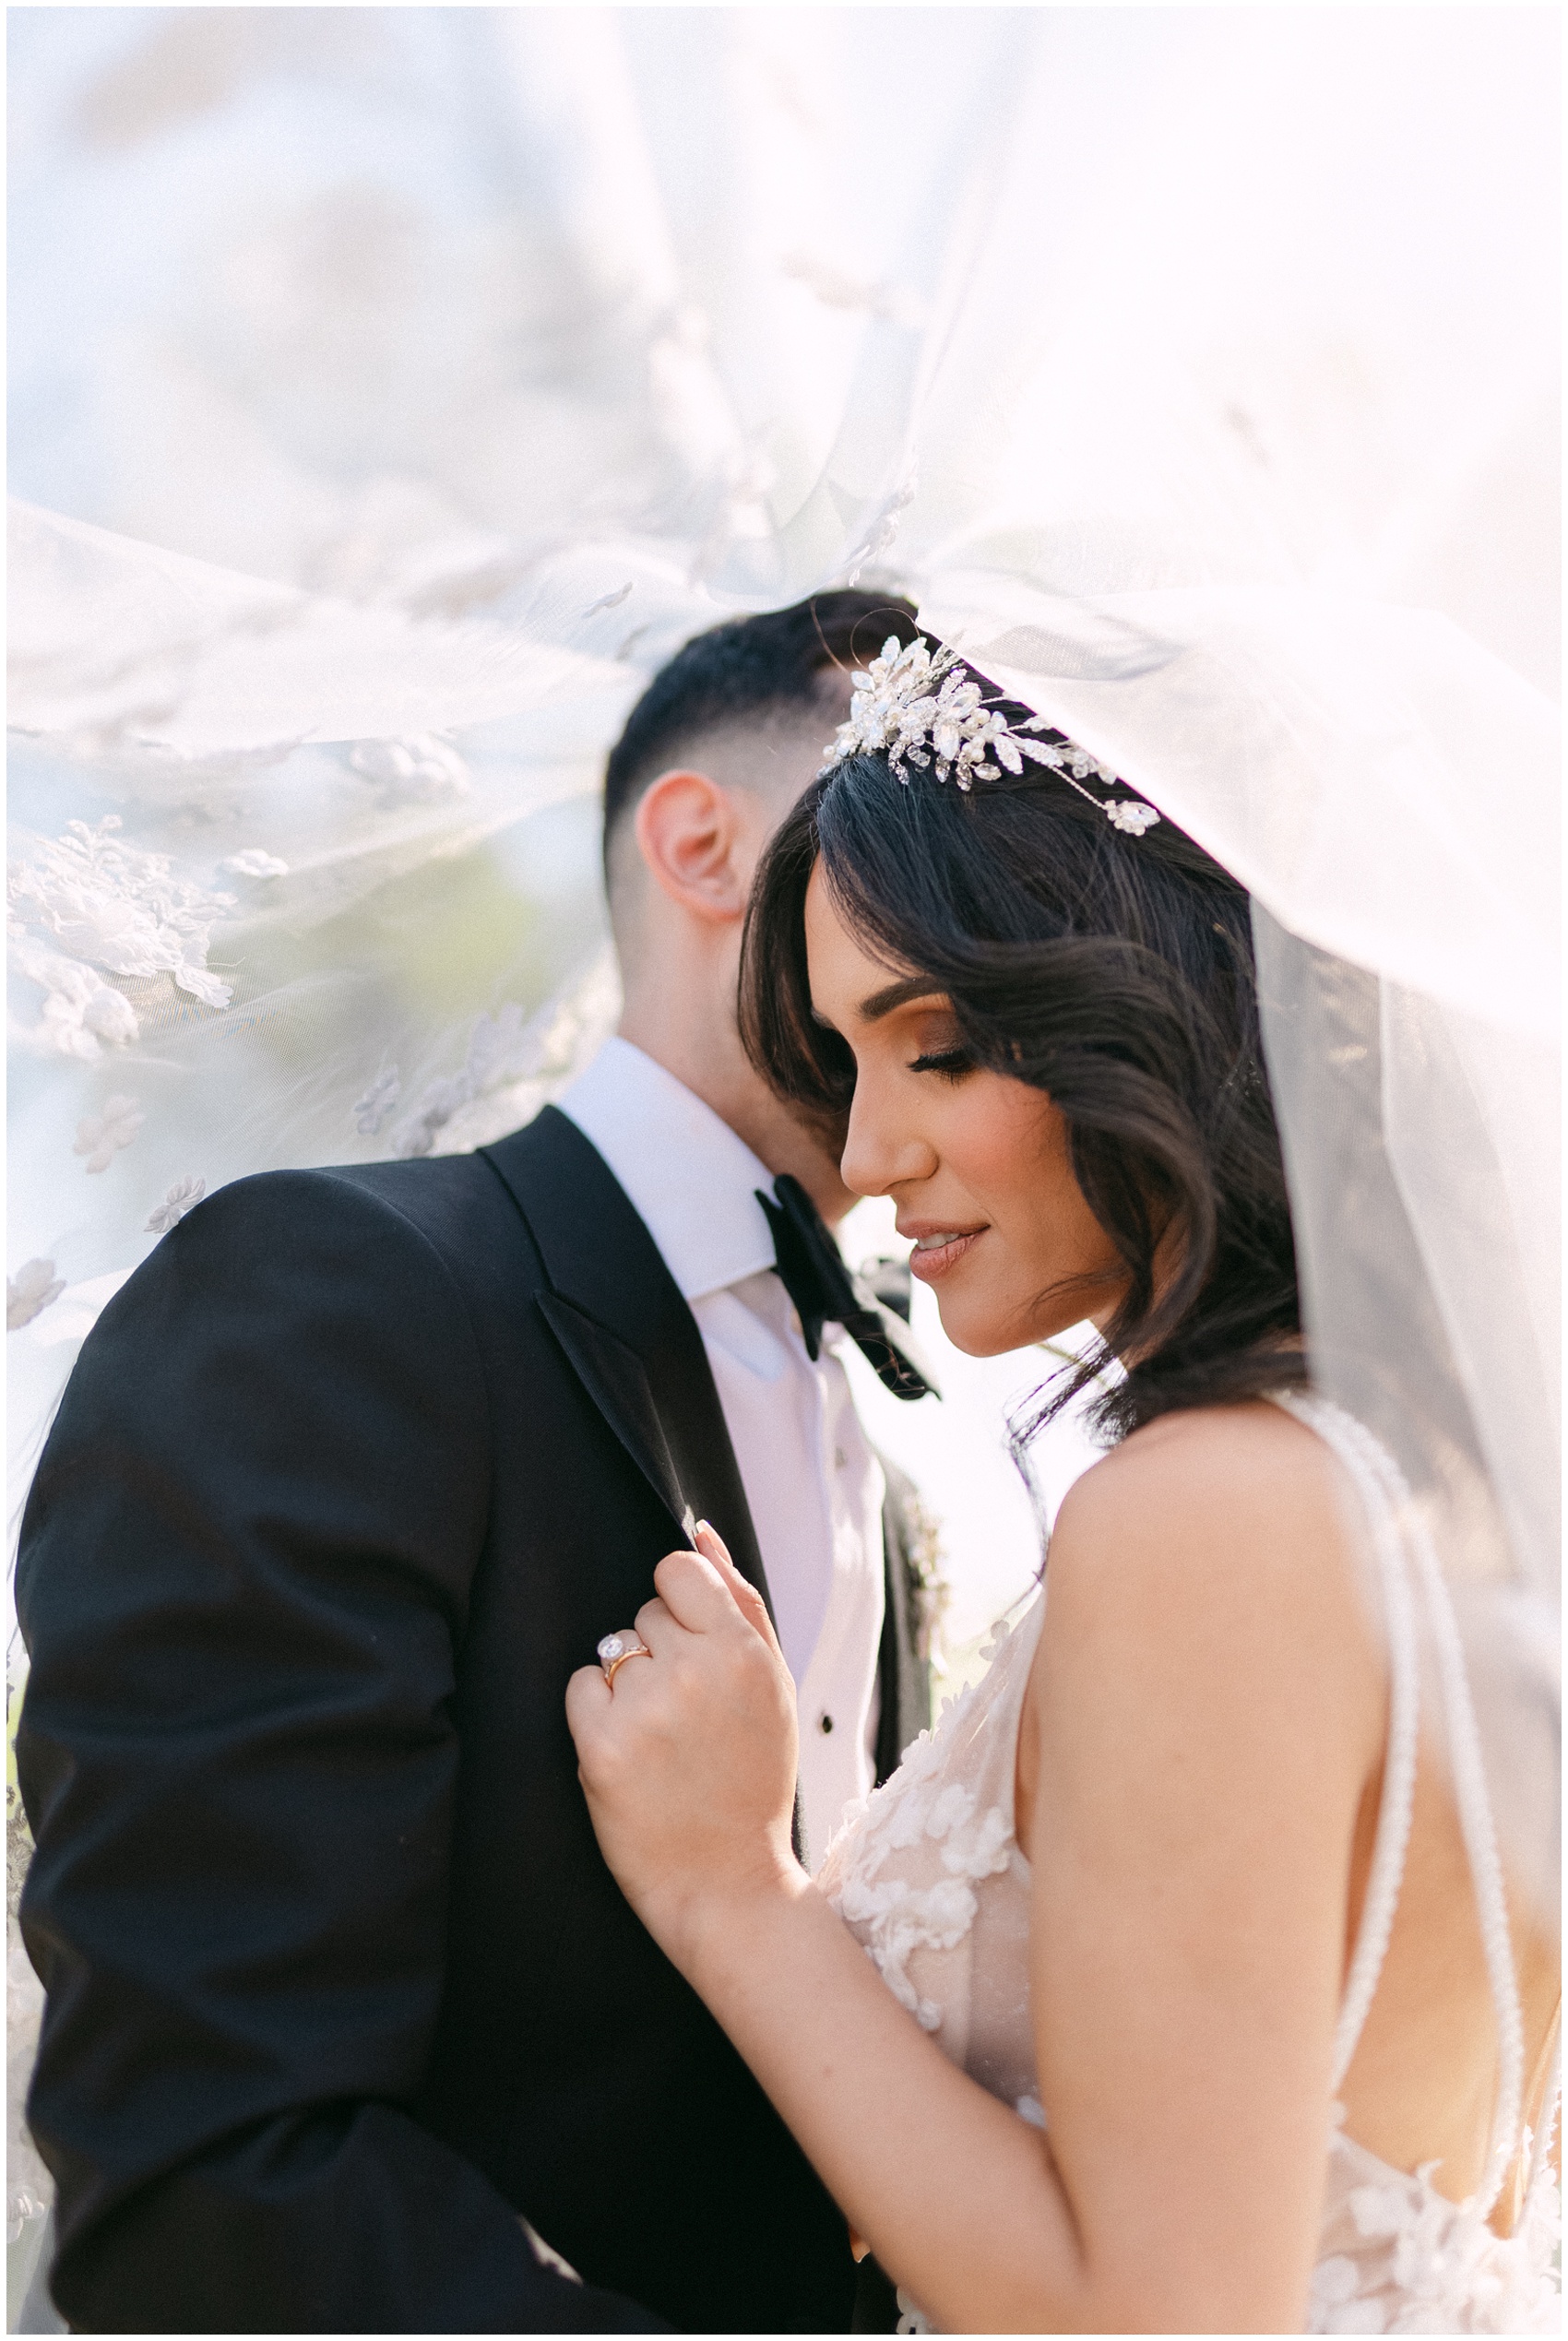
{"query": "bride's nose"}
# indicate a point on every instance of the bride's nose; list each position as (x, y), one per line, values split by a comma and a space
(881, 1150)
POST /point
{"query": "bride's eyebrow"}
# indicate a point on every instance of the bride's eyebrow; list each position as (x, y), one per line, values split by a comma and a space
(883, 1003)
(897, 995)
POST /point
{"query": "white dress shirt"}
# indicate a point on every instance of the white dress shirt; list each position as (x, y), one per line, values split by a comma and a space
(814, 1488)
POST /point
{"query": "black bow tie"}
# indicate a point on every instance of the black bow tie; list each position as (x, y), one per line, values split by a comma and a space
(874, 1313)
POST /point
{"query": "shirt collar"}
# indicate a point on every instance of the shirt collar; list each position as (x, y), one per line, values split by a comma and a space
(692, 1182)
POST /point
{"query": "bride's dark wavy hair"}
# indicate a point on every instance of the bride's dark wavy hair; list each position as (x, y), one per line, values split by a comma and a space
(1114, 973)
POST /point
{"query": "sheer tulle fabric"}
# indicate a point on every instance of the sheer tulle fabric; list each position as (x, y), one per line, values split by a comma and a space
(394, 389)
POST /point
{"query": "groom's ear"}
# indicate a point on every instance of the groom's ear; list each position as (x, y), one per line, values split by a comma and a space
(694, 840)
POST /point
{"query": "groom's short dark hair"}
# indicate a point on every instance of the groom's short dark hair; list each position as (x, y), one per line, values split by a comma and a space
(742, 672)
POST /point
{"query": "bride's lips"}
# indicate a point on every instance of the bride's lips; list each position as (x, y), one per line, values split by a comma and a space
(938, 1249)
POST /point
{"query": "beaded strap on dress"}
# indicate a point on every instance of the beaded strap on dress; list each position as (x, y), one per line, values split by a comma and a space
(1398, 2256)
(1396, 1524)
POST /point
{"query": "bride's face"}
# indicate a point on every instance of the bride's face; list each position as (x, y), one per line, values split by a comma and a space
(978, 1165)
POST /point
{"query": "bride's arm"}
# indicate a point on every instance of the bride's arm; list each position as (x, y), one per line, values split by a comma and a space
(1204, 1718)
(1208, 1712)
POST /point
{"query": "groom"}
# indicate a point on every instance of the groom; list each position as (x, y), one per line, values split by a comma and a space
(345, 2012)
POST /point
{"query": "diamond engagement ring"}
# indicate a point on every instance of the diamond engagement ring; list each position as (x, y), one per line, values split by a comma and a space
(616, 1648)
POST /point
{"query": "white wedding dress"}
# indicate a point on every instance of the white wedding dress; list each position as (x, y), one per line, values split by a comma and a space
(929, 1876)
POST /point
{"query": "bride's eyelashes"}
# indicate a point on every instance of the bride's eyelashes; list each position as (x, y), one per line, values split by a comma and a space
(951, 1063)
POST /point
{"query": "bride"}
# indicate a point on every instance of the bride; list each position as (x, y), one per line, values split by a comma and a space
(1196, 1999)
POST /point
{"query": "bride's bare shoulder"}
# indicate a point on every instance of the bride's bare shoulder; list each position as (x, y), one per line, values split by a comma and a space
(1195, 1449)
(1216, 1500)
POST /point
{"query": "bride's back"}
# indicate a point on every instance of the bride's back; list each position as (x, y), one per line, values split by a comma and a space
(1212, 1487)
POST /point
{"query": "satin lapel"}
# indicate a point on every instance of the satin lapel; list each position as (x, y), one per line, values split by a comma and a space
(613, 1377)
(621, 1320)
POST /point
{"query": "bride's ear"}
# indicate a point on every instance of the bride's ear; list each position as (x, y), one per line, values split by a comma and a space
(688, 830)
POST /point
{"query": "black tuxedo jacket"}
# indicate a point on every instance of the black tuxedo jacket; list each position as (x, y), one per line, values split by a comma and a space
(348, 1477)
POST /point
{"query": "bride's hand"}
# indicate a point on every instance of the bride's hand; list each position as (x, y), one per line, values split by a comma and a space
(688, 1762)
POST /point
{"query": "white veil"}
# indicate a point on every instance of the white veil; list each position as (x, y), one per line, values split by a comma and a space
(1338, 756)
(395, 388)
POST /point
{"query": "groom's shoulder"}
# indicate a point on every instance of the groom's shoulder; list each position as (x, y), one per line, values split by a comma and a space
(453, 1203)
(366, 1242)
(499, 1205)
(435, 1248)
(456, 1202)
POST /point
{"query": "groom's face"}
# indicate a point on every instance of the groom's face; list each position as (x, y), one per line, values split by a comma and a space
(761, 763)
(682, 871)
(682, 864)
(768, 766)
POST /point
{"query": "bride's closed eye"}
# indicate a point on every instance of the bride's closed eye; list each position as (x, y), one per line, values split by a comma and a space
(951, 1063)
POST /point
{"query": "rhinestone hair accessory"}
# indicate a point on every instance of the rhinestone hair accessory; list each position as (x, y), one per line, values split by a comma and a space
(914, 704)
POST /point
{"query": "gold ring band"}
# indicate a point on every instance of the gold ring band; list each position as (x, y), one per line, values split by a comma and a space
(616, 1648)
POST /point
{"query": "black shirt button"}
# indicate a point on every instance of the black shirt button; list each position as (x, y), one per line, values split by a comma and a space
(825, 1724)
